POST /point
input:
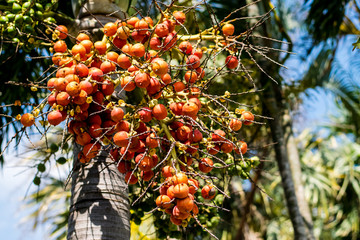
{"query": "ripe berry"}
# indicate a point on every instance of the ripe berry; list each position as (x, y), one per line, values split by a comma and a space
(228, 29)
(27, 119)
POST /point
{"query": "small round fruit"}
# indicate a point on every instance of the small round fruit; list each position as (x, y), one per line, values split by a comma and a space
(55, 118)
(231, 62)
(248, 118)
(159, 112)
(206, 165)
(208, 192)
(228, 29)
(193, 62)
(27, 119)
(235, 124)
(121, 139)
(163, 201)
(117, 114)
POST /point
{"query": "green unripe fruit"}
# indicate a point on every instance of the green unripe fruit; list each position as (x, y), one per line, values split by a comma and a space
(4, 20)
(61, 160)
(27, 19)
(229, 161)
(15, 40)
(26, 5)
(16, 7)
(54, 148)
(39, 15)
(11, 2)
(39, 7)
(217, 165)
(202, 219)
(50, 20)
(19, 19)
(28, 29)
(41, 167)
(209, 224)
(11, 17)
(215, 221)
(37, 181)
(48, 7)
(219, 199)
(11, 31)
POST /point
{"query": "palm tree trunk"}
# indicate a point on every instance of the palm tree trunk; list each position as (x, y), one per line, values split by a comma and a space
(99, 204)
(99, 199)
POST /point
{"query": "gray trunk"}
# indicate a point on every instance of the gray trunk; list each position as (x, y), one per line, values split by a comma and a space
(99, 205)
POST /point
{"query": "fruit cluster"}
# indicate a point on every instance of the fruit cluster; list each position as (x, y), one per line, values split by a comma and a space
(176, 127)
(20, 22)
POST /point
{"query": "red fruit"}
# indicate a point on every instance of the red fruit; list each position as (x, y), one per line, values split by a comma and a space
(132, 21)
(205, 165)
(144, 162)
(235, 124)
(60, 84)
(190, 109)
(147, 176)
(128, 155)
(94, 119)
(218, 135)
(100, 46)
(166, 78)
(55, 117)
(83, 138)
(185, 205)
(175, 221)
(170, 24)
(87, 45)
(154, 86)
(159, 66)
(73, 89)
(179, 17)
(96, 74)
(98, 97)
(124, 166)
(176, 107)
(170, 41)
(194, 186)
(231, 62)
(60, 46)
(118, 42)
(227, 147)
(213, 150)
(127, 84)
(52, 99)
(121, 139)
(81, 70)
(110, 29)
(196, 136)
(191, 76)
(181, 190)
(208, 192)
(107, 88)
(155, 43)
(124, 61)
(196, 101)
(167, 171)
(107, 67)
(95, 130)
(130, 178)
(142, 26)
(163, 201)
(63, 98)
(137, 50)
(197, 52)
(27, 119)
(228, 29)
(145, 114)
(123, 32)
(179, 178)
(78, 49)
(193, 62)
(112, 56)
(117, 114)
(179, 86)
(185, 47)
(159, 112)
(123, 126)
(151, 141)
(81, 37)
(86, 86)
(91, 150)
(200, 72)
(161, 30)
(248, 117)
(142, 80)
(61, 31)
(242, 146)
(183, 133)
